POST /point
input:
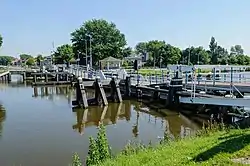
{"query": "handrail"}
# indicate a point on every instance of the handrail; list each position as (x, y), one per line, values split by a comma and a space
(237, 90)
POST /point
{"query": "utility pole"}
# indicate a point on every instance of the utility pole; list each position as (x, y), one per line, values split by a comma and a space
(90, 51)
(86, 52)
(89, 57)
(154, 59)
(52, 53)
(188, 56)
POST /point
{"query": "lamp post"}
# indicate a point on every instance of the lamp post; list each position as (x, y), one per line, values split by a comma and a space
(90, 50)
(86, 52)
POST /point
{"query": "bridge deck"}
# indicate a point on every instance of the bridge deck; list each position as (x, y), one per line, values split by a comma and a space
(240, 102)
(4, 73)
(223, 86)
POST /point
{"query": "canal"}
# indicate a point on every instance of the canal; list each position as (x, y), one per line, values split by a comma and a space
(39, 127)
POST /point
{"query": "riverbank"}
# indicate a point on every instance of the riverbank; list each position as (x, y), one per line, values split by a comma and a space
(217, 148)
(160, 72)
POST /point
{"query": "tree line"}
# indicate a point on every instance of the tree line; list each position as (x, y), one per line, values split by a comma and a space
(107, 40)
(102, 39)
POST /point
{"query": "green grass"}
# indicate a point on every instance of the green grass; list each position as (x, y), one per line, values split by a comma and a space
(218, 148)
(148, 71)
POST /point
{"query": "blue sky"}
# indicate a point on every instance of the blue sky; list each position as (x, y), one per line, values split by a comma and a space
(30, 26)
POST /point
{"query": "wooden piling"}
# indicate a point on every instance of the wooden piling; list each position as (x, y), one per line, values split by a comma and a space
(34, 78)
(9, 77)
(57, 77)
(35, 92)
(100, 95)
(24, 76)
(115, 91)
(175, 85)
(67, 77)
(81, 97)
(46, 77)
(156, 94)
(138, 93)
(128, 87)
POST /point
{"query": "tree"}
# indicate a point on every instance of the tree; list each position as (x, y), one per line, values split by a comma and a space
(196, 55)
(30, 62)
(141, 48)
(170, 54)
(127, 51)
(6, 60)
(1, 41)
(237, 50)
(106, 40)
(64, 53)
(25, 56)
(155, 48)
(222, 55)
(213, 47)
(39, 59)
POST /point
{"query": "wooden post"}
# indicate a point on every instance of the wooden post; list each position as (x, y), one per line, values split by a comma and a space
(46, 91)
(24, 76)
(138, 93)
(162, 76)
(150, 78)
(99, 93)
(214, 76)
(175, 85)
(128, 87)
(156, 94)
(67, 77)
(57, 78)
(9, 77)
(115, 91)
(81, 97)
(46, 77)
(35, 92)
(34, 78)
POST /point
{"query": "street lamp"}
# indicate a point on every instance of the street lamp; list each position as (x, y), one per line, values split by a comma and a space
(86, 52)
(198, 59)
(90, 50)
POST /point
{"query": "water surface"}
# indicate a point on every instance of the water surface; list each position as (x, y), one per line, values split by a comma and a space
(38, 126)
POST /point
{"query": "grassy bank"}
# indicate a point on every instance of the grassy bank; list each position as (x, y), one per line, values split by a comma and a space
(216, 148)
(160, 72)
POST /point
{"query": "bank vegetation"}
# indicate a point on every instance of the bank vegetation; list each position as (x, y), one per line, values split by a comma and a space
(213, 145)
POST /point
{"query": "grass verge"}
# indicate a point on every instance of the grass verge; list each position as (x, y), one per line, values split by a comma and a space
(216, 148)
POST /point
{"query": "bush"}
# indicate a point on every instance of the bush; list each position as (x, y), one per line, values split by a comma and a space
(76, 161)
(98, 148)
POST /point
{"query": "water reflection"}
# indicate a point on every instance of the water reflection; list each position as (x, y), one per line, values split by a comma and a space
(58, 92)
(53, 93)
(176, 125)
(2, 118)
(39, 125)
(17, 84)
(107, 115)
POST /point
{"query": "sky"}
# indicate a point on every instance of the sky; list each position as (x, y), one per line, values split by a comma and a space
(31, 26)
